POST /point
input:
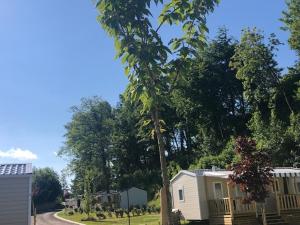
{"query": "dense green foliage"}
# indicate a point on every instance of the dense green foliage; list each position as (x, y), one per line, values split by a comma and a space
(88, 141)
(205, 99)
(149, 61)
(291, 19)
(46, 187)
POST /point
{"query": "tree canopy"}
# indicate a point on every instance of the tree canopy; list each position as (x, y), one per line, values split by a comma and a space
(187, 101)
(291, 19)
(209, 109)
(46, 187)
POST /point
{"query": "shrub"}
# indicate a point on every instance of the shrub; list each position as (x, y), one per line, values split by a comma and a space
(97, 208)
(100, 215)
(149, 210)
(71, 213)
(157, 209)
(143, 211)
(119, 213)
(176, 217)
(134, 211)
(138, 212)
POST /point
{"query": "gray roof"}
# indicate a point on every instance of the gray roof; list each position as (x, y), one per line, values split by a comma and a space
(15, 169)
(277, 172)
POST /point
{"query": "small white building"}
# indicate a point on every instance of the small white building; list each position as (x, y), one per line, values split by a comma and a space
(118, 199)
(15, 194)
(71, 202)
(111, 198)
(137, 197)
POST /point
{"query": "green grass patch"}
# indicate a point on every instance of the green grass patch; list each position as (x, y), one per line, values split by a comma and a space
(152, 219)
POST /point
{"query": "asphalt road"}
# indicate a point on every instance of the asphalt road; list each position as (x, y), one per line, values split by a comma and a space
(49, 219)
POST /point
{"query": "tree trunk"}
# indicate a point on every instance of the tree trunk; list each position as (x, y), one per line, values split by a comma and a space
(105, 171)
(163, 165)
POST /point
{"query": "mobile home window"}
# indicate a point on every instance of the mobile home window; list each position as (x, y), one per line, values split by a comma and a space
(238, 191)
(218, 190)
(181, 194)
(298, 186)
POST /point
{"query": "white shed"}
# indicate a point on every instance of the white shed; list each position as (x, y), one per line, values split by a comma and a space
(136, 197)
(15, 194)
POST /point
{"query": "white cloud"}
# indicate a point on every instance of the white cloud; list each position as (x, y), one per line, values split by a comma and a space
(18, 154)
(55, 154)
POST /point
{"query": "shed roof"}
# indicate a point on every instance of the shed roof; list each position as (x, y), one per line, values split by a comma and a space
(186, 172)
(277, 172)
(15, 169)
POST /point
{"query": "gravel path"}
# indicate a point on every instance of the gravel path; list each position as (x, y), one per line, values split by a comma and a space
(49, 219)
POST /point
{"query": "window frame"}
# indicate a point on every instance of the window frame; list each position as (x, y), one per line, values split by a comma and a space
(214, 187)
(238, 192)
(182, 191)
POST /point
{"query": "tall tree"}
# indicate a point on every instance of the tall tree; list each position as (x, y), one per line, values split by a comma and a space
(270, 95)
(145, 55)
(291, 19)
(46, 187)
(87, 197)
(211, 97)
(88, 141)
(257, 68)
(133, 154)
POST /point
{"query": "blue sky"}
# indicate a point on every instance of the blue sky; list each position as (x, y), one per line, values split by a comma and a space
(53, 53)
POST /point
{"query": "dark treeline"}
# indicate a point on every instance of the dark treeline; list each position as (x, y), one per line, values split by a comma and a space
(232, 88)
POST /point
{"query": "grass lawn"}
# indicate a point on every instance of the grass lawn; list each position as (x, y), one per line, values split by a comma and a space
(152, 219)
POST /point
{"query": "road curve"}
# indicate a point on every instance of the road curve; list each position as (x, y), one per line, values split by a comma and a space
(49, 219)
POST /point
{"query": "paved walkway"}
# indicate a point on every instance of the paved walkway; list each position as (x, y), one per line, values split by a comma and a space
(49, 219)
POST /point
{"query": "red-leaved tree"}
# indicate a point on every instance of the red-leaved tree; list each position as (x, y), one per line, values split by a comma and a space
(253, 172)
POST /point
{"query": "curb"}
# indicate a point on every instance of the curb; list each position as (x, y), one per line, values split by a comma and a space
(65, 220)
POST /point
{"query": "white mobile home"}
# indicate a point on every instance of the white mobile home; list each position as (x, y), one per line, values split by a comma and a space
(15, 194)
(207, 195)
(137, 197)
